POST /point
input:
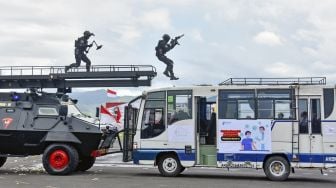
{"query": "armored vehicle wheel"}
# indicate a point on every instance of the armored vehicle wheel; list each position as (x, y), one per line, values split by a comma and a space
(85, 163)
(277, 168)
(169, 165)
(60, 159)
(2, 161)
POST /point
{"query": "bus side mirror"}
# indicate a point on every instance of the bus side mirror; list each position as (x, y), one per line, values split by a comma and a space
(63, 110)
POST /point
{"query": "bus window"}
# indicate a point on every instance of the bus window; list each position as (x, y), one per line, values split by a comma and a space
(315, 116)
(234, 104)
(283, 109)
(275, 104)
(153, 122)
(303, 116)
(246, 109)
(229, 109)
(179, 106)
(328, 100)
(265, 109)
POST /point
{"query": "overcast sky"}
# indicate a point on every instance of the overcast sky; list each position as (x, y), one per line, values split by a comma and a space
(223, 38)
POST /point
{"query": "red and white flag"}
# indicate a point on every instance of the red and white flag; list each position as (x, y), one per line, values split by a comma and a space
(105, 116)
(111, 93)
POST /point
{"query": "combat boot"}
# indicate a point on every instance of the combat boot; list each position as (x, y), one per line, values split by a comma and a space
(66, 68)
(166, 73)
(174, 78)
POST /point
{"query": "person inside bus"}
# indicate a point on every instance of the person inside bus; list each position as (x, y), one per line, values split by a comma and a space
(303, 123)
(316, 124)
(158, 126)
(247, 143)
(212, 130)
(280, 115)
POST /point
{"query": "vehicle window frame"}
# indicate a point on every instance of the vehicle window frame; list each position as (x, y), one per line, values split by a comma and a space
(47, 107)
(162, 102)
(176, 93)
(224, 98)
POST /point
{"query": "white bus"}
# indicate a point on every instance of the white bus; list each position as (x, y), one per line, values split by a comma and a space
(272, 124)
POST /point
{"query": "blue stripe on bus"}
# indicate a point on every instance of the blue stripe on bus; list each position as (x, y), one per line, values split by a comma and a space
(304, 158)
(150, 154)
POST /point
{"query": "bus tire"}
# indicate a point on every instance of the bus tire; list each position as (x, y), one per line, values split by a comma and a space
(2, 161)
(169, 165)
(85, 163)
(277, 168)
(60, 159)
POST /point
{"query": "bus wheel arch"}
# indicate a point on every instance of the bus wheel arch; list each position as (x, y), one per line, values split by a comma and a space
(169, 164)
(276, 167)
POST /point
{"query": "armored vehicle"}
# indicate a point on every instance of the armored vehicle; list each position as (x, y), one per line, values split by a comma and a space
(39, 123)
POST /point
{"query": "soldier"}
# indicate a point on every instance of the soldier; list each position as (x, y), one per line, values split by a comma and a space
(81, 44)
(161, 49)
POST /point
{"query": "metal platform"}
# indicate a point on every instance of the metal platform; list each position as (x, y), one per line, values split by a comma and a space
(56, 77)
(276, 81)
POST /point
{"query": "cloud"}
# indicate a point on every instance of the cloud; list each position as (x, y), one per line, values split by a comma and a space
(157, 19)
(230, 38)
(281, 69)
(268, 38)
(196, 35)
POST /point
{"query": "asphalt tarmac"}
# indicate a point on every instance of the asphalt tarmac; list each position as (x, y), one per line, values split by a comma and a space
(110, 172)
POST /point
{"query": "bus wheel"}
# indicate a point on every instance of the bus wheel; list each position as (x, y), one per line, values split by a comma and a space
(277, 168)
(85, 163)
(2, 161)
(60, 159)
(169, 165)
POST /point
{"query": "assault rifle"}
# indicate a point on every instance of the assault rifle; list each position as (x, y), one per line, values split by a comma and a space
(175, 40)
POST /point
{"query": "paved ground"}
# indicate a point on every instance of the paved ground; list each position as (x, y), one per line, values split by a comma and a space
(109, 172)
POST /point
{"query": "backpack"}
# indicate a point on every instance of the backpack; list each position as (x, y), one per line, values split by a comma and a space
(77, 43)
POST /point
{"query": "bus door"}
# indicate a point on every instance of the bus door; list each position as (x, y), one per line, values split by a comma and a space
(130, 123)
(310, 137)
(206, 130)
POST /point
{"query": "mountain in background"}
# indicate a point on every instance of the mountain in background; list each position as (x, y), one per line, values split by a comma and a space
(89, 100)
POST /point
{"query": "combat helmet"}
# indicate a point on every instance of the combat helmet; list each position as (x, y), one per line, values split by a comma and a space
(88, 33)
(166, 37)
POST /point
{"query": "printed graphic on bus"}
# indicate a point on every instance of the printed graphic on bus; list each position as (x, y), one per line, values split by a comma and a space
(244, 136)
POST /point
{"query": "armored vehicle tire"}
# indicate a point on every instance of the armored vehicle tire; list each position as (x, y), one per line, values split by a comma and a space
(2, 161)
(277, 168)
(60, 159)
(169, 165)
(85, 163)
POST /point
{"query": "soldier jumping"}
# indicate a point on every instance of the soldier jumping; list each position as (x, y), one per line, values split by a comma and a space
(162, 48)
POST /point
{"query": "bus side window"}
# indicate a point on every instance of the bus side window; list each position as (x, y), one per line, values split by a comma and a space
(303, 116)
(153, 123)
(236, 104)
(179, 106)
(315, 116)
(328, 100)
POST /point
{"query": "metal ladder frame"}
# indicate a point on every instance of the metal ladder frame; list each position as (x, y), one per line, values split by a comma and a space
(295, 142)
